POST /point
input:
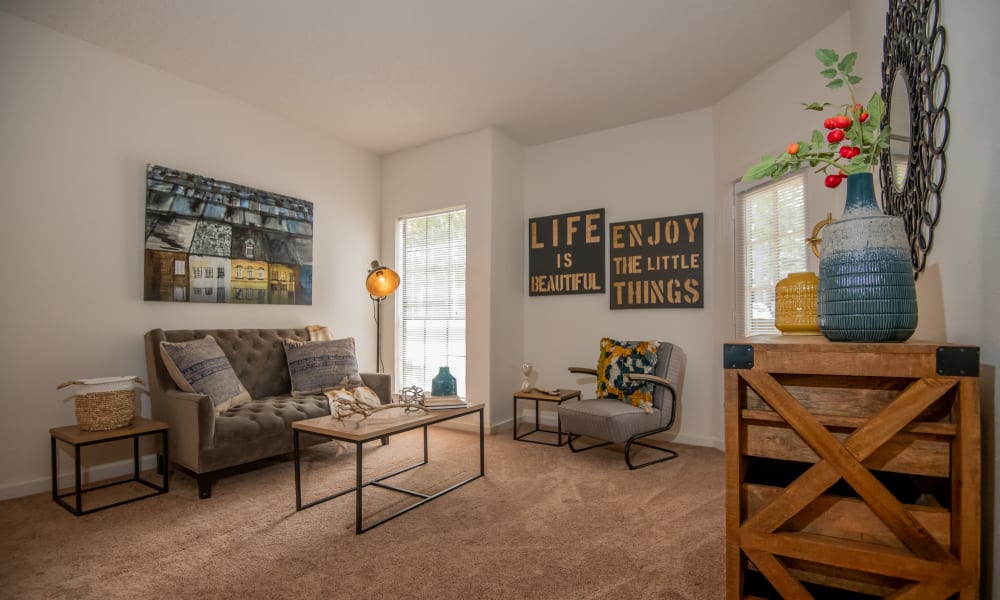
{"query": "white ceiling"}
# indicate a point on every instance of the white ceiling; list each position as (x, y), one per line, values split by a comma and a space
(390, 74)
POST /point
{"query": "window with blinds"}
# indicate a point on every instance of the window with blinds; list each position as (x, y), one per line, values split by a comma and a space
(431, 298)
(770, 244)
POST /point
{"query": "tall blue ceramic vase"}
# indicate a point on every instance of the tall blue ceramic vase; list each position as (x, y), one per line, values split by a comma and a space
(866, 288)
(444, 383)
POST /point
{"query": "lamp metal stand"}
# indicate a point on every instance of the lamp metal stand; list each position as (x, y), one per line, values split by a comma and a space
(378, 333)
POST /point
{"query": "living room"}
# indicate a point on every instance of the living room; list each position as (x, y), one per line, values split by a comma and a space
(80, 123)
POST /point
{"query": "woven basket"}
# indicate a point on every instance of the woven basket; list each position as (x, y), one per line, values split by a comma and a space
(105, 403)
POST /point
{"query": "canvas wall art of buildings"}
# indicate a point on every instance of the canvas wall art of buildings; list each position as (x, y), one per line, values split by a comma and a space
(214, 241)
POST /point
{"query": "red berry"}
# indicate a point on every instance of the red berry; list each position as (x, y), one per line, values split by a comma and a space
(832, 181)
(828, 123)
(842, 122)
(835, 136)
(846, 151)
(863, 117)
(855, 151)
(856, 108)
(792, 149)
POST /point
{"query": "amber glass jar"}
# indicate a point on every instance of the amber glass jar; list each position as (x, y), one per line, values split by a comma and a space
(795, 304)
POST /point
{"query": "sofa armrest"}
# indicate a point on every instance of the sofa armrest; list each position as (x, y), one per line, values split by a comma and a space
(381, 383)
(191, 418)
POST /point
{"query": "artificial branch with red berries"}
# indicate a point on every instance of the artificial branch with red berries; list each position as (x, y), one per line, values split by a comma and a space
(856, 134)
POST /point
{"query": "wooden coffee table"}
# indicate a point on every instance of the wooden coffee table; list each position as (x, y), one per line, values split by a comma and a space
(380, 425)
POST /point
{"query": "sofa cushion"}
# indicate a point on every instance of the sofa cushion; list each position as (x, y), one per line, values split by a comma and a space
(200, 366)
(259, 429)
(618, 359)
(321, 365)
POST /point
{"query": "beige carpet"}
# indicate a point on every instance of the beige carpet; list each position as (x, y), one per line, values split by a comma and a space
(544, 523)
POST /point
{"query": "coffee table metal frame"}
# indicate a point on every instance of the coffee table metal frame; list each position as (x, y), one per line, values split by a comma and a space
(314, 427)
(563, 396)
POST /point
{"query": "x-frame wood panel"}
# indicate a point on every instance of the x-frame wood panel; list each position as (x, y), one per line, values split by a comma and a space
(863, 415)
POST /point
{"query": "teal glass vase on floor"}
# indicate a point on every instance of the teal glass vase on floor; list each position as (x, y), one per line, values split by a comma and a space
(444, 383)
(866, 287)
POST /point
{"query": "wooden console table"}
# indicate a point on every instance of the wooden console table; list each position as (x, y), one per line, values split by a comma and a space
(853, 467)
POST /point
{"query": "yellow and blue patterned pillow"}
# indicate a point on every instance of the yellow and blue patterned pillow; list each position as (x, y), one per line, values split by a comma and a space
(619, 358)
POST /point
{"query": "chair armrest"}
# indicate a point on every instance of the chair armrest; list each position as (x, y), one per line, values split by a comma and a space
(651, 379)
(583, 371)
(659, 381)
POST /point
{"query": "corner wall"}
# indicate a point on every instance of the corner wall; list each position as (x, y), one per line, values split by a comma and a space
(481, 171)
(79, 124)
(656, 168)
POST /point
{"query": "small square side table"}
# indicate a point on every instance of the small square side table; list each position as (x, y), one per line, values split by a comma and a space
(538, 397)
(77, 438)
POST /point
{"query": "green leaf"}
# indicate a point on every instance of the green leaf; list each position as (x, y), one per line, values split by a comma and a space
(817, 138)
(858, 164)
(883, 139)
(827, 56)
(760, 170)
(828, 73)
(847, 64)
(815, 105)
(876, 109)
(835, 84)
(853, 79)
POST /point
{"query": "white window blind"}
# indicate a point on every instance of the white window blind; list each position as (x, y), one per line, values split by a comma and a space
(431, 301)
(770, 244)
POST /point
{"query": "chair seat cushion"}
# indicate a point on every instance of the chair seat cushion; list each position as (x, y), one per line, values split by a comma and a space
(607, 419)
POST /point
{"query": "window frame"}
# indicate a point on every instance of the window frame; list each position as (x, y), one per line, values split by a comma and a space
(745, 295)
(454, 356)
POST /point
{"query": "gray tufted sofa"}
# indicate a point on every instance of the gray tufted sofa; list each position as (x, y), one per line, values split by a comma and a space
(209, 445)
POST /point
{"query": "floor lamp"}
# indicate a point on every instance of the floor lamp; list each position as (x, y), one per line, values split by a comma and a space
(381, 282)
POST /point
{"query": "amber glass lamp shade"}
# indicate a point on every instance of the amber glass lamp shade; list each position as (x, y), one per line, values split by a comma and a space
(381, 281)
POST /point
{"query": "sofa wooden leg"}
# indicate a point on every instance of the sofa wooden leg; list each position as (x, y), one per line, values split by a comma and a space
(204, 486)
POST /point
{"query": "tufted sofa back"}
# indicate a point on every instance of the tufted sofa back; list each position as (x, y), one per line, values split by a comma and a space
(257, 356)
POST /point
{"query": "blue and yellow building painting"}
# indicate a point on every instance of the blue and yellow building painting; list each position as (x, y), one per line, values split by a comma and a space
(213, 241)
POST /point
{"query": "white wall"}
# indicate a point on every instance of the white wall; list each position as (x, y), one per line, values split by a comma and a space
(508, 227)
(963, 259)
(78, 126)
(959, 292)
(451, 173)
(657, 168)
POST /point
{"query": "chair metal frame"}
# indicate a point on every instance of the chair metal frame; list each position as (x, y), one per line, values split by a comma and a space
(671, 454)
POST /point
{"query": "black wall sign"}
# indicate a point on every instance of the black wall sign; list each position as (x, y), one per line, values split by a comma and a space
(566, 254)
(658, 263)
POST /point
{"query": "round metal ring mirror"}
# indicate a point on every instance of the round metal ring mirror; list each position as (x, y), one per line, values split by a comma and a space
(915, 84)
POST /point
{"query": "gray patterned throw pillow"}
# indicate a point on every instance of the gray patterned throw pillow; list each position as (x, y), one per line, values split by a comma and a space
(322, 365)
(201, 366)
